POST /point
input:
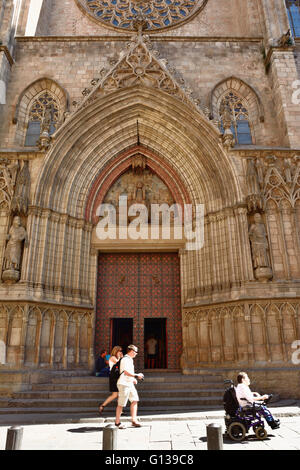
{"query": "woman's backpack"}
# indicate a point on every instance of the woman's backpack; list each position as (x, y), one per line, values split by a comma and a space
(115, 372)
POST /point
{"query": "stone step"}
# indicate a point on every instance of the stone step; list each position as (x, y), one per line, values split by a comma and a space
(167, 378)
(85, 403)
(103, 394)
(67, 391)
(93, 413)
(103, 386)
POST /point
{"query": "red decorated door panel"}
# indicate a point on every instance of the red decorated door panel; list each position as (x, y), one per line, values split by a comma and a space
(138, 300)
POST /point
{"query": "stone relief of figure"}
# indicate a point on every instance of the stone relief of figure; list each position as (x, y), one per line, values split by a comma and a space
(137, 196)
(138, 187)
(252, 177)
(260, 248)
(20, 199)
(8, 174)
(288, 170)
(13, 253)
(254, 200)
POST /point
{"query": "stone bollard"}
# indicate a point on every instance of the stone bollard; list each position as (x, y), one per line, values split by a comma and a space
(110, 437)
(14, 438)
(214, 437)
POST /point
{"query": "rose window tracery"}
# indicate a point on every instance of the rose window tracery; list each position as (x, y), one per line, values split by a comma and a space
(158, 14)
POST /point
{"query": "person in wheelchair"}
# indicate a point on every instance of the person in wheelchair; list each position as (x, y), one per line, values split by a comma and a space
(250, 402)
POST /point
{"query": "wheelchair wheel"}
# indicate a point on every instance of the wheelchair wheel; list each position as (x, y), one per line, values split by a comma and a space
(236, 431)
(260, 432)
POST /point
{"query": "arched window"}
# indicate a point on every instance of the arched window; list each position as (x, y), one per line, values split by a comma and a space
(293, 8)
(239, 118)
(44, 107)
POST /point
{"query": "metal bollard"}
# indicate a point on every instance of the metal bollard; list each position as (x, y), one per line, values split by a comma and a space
(110, 437)
(14, 438)
(214, 437)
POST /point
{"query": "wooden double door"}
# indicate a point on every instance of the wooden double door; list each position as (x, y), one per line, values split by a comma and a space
(138, 301)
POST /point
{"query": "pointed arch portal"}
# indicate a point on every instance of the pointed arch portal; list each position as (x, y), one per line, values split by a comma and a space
(90, 151)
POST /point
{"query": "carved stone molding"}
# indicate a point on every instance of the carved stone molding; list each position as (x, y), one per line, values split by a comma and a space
(8, 175)
(54, 337)
(140, 65)
(257, 332)
(273, 178)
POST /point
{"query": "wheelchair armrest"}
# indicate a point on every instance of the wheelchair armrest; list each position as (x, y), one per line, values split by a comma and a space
(268, 399)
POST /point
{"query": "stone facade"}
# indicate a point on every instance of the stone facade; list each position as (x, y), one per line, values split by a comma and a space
(240, 292)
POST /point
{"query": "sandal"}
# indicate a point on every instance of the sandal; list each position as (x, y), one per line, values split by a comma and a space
(120, 425)
(136, 425)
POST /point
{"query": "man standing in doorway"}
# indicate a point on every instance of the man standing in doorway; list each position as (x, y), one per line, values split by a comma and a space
(126, 386)
(151, 346)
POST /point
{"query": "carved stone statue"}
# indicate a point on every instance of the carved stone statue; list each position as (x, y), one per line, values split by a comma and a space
(45, 139)
(260, 248)
(286, 39)
(228, 138)
(13, 252)
(46, 122)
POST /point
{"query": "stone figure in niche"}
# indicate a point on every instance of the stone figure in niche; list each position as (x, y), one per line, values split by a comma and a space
(260, 249)
(13, 253)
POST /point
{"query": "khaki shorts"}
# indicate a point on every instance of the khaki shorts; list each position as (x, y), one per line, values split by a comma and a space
(127, 392)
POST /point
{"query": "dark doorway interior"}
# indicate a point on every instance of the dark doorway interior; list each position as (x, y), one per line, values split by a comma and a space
(155, 343)
(121, 329)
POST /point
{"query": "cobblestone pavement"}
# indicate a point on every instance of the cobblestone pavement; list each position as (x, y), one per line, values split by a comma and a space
(153, 435)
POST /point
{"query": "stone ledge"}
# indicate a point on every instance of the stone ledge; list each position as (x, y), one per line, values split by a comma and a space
(126, 37)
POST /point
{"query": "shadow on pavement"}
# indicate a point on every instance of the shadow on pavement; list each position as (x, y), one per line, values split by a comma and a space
(86, 429)
(248, 439)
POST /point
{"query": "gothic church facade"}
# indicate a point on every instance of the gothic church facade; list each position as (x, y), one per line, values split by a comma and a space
(190, 103)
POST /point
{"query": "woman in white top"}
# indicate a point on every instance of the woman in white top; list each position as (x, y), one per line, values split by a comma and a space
(115, 356)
